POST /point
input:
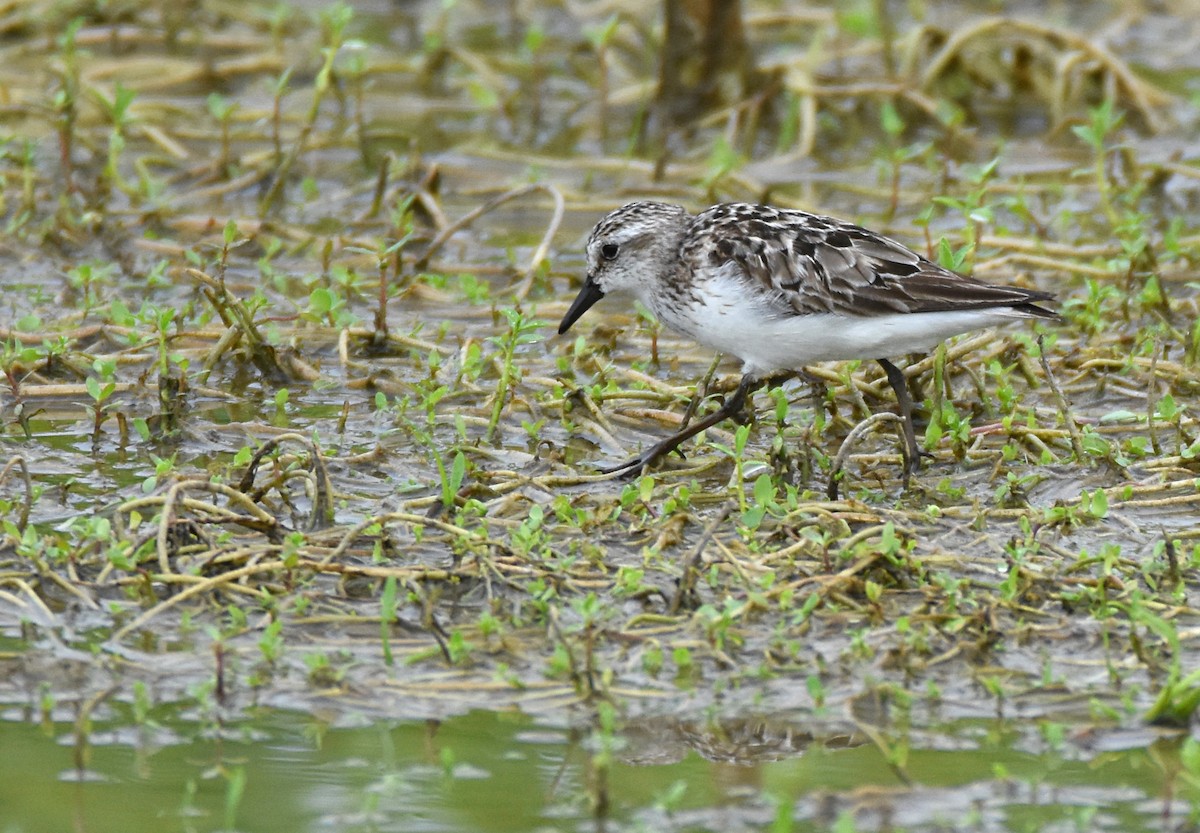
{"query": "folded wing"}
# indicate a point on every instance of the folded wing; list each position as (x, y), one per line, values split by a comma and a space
(814, 264)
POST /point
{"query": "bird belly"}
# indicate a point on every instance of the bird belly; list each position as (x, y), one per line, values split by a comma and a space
(766, 344)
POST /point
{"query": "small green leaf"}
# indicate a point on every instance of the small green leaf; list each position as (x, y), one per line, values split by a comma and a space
(1167, 408)
(120, 315)
(764, 490)
(320, 301)
(889, 117)
(458, 471)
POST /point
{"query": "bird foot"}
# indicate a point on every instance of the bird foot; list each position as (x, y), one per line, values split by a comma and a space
(640, 462)
(628, 469)
(912, 464)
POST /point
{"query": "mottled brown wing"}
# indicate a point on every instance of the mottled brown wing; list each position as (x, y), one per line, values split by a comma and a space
(815, 264)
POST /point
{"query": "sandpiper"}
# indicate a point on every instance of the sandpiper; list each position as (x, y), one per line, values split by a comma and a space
(781, 289)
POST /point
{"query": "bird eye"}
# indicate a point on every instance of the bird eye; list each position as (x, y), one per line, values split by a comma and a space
(609, 251)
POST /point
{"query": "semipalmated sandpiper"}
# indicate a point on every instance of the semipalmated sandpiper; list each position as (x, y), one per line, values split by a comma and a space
(781, 289)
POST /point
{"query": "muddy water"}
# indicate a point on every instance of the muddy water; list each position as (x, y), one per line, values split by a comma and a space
(424, 610)
(503, 772)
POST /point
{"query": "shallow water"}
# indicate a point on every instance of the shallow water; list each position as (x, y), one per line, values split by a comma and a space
(494, 771)
(424, 611)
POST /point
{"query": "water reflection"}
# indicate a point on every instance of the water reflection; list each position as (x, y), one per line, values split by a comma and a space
(505, 772)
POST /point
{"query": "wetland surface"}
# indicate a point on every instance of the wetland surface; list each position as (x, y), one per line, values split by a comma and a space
(301, 522)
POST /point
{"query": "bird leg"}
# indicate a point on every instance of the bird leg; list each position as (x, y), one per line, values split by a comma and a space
(732, 406)
(913, 451)
(698, 395)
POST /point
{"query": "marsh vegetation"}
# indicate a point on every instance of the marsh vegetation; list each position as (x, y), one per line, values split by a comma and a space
(291, 457)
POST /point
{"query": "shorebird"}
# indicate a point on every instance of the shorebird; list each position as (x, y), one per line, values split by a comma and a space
(781, 289)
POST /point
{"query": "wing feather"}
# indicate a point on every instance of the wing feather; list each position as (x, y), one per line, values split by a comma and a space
(806, 264)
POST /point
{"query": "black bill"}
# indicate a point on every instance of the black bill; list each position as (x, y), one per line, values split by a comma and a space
(588, 295)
